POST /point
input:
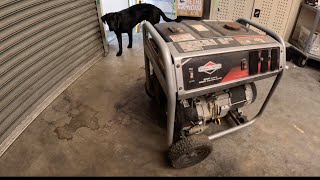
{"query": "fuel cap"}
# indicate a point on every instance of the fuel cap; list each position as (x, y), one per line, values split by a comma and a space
(232, 26)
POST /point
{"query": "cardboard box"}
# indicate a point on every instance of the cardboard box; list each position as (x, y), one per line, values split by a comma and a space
(190, 8)
(315, 42)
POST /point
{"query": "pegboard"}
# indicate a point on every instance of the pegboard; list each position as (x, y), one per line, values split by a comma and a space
(242, 8)
(273, 14)
(231, 9)
(223, 9)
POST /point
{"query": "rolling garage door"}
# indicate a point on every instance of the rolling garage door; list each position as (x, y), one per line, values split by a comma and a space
(45, 46)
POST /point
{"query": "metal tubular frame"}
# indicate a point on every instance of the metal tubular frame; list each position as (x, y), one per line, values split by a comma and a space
(167, 80)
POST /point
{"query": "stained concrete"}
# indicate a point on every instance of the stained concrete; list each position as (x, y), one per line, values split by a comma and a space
(105, 125)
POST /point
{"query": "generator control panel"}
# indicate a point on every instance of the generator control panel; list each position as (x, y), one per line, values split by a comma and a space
(208, 53)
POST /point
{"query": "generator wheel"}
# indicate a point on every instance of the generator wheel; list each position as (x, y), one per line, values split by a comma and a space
(150, 92)
(190, 151)
(147, 91)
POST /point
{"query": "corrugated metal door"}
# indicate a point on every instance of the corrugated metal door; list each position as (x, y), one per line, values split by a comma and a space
(45, 45)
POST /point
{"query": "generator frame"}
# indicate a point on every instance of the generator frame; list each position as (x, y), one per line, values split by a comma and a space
(168, 78)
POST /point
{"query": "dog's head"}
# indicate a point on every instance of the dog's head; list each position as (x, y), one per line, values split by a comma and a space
(112, 19)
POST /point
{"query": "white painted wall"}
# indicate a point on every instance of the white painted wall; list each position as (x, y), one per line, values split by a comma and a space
(118, 5)
(113, 5)
(164, 5)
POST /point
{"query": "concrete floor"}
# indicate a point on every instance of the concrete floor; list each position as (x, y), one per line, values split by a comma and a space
(105, 125)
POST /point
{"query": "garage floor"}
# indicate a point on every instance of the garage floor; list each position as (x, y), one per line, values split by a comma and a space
(105, 125)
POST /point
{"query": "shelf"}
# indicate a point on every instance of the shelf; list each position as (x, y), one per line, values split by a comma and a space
(297, 47)
(314, 57)
(295, 44)
(312, 8)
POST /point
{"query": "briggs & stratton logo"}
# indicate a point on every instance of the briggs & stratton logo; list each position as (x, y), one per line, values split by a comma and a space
(209, 68)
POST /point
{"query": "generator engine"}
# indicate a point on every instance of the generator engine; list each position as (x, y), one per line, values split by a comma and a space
(198, 112)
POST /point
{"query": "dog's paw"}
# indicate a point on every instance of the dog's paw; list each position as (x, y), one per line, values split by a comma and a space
(119, 53)
(130, 46)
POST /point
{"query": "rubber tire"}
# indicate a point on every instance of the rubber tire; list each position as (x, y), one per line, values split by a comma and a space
(150, 94)
(189, 145)
(290, 54)
(147, 92)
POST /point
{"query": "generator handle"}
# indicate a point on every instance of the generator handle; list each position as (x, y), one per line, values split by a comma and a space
(276, 36)
(170, 90)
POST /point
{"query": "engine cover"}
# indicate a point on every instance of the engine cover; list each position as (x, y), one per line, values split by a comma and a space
(218, 105)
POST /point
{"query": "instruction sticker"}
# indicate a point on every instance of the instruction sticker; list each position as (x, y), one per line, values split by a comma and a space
(208, 42)
(199, 27)
(190, 46)
(182, 37)
(223, 41)
(251, 40)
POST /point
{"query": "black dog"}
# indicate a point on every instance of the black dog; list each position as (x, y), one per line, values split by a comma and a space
(124, 21)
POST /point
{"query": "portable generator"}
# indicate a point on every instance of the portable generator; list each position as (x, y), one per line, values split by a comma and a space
(200, 72)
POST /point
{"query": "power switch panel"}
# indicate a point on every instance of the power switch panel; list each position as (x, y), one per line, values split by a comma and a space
(264, 61)
(274, 60)
(253, 62)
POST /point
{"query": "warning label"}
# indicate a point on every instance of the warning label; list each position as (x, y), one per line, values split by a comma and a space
(182, 37)
(225, 40)
(199, 27)
(189, 46)
(252, 40)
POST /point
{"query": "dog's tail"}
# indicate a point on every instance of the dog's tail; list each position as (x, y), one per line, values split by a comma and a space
(168, 19)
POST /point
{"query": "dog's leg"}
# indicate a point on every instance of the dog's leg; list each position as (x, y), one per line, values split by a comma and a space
(130, 39)
(119, 37)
